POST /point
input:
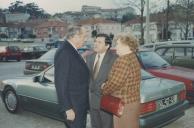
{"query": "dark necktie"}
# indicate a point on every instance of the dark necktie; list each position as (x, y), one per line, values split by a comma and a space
(96, 67)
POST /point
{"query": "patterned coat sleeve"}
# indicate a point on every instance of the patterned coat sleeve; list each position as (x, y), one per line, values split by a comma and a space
(117, 77)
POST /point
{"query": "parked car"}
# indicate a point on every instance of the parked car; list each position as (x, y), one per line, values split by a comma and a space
(159, 67)
(37, 65)
(153, 46)
(54, 44)
(162, 101)
(33, 52)
(10, 53)
(178, 54)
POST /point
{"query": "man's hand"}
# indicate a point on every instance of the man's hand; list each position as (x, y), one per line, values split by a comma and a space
(70, 115)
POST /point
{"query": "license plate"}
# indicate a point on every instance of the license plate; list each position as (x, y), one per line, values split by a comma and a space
(167, 102)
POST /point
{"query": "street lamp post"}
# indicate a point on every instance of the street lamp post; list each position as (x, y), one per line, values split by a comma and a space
(147, 23)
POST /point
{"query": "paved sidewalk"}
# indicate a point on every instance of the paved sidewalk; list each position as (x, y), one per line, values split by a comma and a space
(185, 122)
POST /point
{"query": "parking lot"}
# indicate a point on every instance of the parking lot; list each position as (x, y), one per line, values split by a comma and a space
(30, 120)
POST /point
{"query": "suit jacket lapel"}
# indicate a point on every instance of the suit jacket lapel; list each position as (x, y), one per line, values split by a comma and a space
(91, 63)
(104, 62)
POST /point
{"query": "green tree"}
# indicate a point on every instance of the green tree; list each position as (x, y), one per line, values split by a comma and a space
(17, 7)
(127, 17)
(30, 8)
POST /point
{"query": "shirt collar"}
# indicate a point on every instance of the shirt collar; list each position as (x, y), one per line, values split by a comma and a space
(72, 45)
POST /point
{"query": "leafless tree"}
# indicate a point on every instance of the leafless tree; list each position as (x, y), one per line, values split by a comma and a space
(184, 15)
(139, 6)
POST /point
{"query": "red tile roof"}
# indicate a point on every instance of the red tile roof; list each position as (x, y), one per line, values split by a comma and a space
(52, 23)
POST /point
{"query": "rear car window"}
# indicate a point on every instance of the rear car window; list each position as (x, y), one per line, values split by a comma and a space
(152, 60)
(169, 52)
(49, 55)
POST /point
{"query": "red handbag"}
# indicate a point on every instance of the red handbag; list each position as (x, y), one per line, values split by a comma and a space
(112, 104)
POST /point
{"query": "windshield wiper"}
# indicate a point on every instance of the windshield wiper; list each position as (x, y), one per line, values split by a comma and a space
(154, 66)
(145, 78)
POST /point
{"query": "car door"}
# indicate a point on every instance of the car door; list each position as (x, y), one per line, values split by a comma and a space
(42, 96)
(180, 58)
(189, 57)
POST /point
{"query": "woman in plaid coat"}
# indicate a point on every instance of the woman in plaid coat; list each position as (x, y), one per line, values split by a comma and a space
(124, 81)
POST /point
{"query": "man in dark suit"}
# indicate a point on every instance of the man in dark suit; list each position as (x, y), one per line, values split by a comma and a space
(72, 79)
(99, 64)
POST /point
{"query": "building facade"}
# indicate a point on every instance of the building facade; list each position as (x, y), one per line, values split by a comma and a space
(16, 17)
(52, 29)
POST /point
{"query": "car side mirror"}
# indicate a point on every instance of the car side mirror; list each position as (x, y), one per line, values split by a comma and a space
(36, 79)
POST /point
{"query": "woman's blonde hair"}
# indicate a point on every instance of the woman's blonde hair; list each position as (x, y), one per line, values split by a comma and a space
(129, 40)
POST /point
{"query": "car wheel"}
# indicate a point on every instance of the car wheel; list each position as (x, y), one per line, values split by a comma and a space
(11, 100)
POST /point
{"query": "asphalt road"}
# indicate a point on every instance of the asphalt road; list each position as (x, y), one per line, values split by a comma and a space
(26, 119)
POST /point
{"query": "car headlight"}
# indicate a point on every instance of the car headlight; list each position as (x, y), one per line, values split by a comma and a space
(1, 85)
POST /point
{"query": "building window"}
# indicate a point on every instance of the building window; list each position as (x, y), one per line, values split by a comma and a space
(49, 29)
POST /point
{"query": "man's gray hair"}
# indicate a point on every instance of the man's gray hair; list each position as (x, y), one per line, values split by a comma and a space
(72, 31)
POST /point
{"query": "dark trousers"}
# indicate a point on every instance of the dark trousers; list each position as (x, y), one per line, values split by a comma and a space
(101, 119)
(79, 122)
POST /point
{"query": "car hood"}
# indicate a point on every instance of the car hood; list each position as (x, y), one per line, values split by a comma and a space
(174, 71)
(16, 81)
(156, 88)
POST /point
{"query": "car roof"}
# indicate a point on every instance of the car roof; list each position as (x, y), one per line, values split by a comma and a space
(139, 49)
(176, 46)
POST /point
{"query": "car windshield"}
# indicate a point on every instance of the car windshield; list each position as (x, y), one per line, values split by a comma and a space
(152, 60)
(49, 55)
(145, 75)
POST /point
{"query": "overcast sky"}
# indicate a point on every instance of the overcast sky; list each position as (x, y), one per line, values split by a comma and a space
(53, 6)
